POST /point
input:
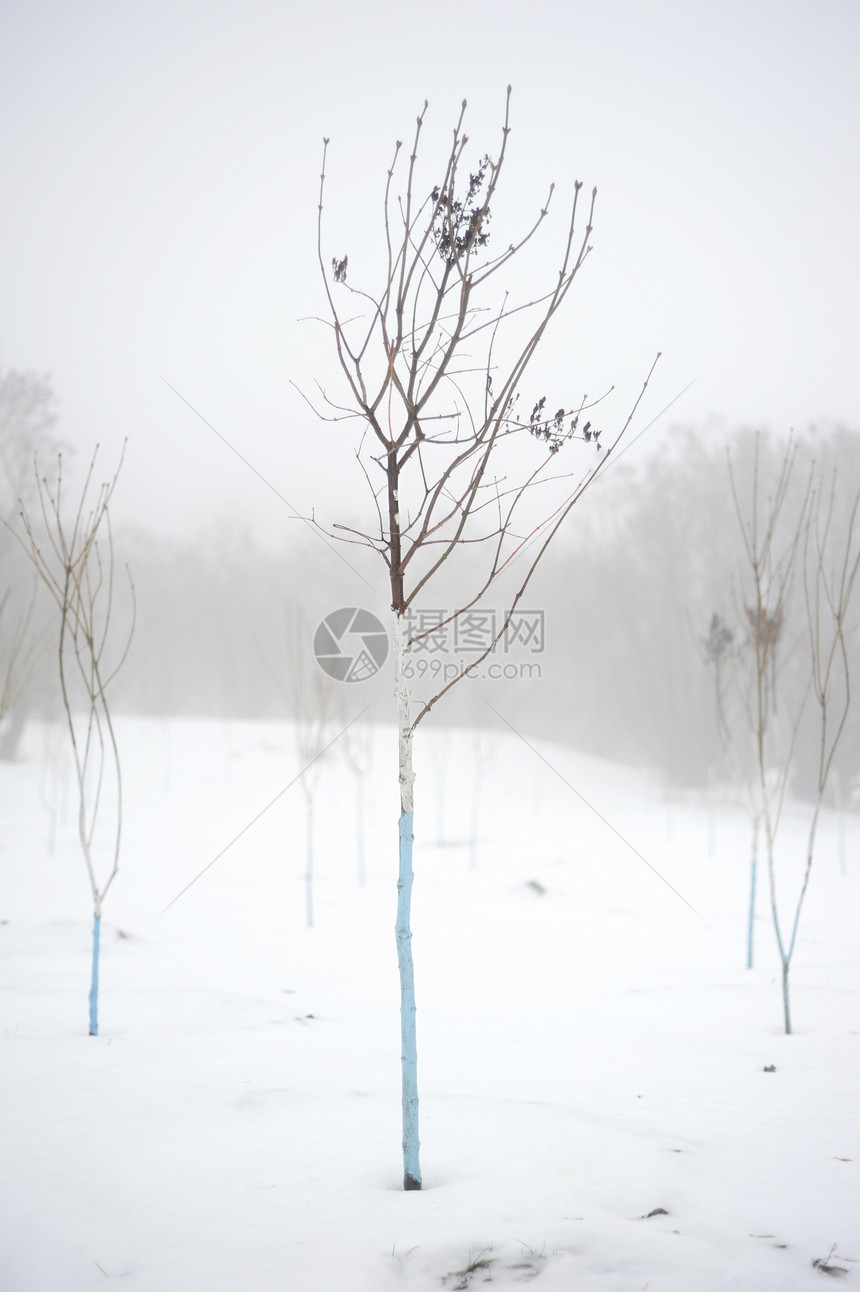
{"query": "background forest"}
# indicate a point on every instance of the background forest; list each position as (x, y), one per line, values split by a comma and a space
(628, 594)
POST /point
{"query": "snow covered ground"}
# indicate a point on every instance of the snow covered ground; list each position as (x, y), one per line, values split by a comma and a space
(597, 1105)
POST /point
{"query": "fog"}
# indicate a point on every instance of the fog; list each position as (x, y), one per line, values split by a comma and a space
(160, 173)
(158, 263)
(609, 652)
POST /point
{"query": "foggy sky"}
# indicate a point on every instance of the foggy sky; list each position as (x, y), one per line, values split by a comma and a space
(160, 171)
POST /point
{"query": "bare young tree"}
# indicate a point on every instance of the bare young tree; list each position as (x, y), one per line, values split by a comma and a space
(311, 698)
(789, 540)
(722, 651)
(769, 676)
(432, 364)
(313, 706)
(831, 563)
(75, 560)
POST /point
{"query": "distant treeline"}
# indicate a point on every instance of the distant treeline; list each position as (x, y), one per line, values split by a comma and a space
(627, 596)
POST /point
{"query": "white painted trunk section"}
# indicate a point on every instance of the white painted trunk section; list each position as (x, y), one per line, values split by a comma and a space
(404, 724)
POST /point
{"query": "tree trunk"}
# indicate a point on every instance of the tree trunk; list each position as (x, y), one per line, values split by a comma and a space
(408, 1039)
(403, 930)
(94, 984)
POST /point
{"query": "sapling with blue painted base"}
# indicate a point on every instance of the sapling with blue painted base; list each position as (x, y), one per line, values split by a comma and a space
(432, 363)
(74, 557)
(797, 577)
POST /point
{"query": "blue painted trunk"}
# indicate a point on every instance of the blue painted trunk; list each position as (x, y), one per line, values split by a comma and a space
(94, 985)
(409, 1046)
(753, 877)
(751, 917)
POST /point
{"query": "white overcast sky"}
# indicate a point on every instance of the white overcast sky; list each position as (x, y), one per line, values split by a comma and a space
(160, 165)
